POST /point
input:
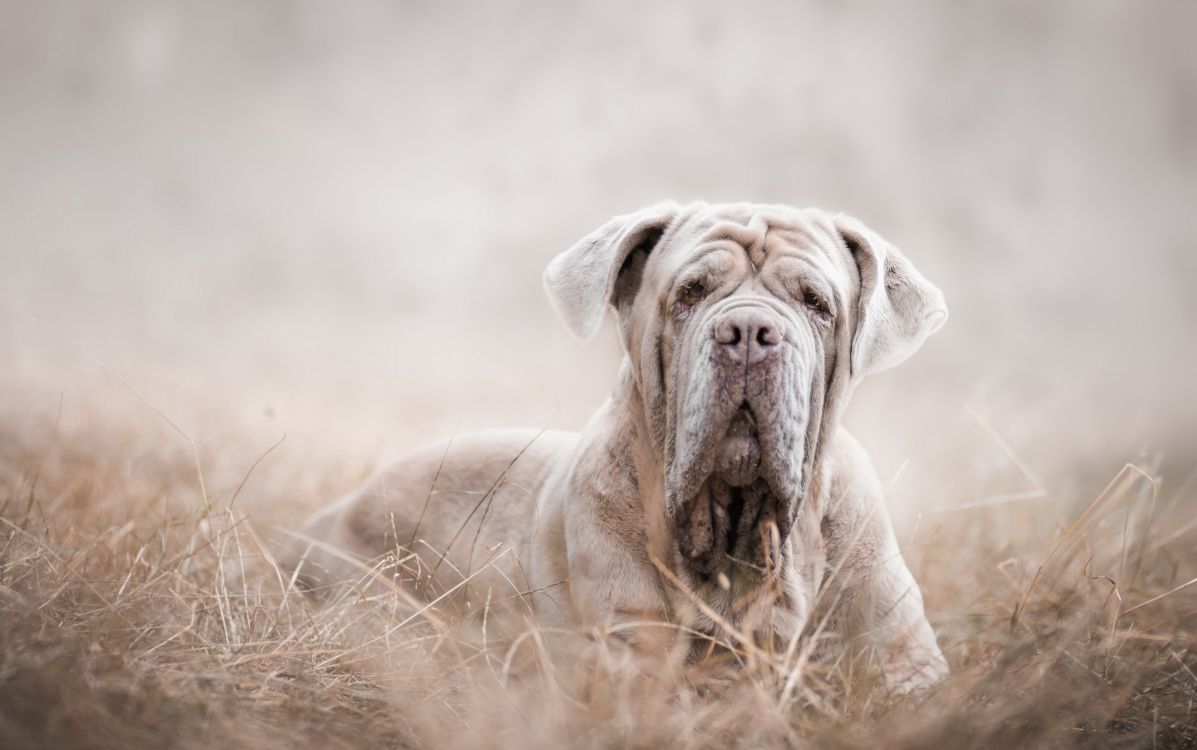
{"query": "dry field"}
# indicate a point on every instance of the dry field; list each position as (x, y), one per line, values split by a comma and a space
(140, 607)
(327, 221)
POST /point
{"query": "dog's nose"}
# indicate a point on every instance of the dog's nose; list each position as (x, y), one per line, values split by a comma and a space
(747, 335)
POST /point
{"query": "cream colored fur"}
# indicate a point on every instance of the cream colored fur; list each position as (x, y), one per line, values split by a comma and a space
(589, 524)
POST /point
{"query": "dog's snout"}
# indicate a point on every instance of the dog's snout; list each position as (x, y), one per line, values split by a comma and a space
(747, 335)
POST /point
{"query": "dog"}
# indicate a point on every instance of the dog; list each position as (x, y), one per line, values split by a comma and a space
(715, 488)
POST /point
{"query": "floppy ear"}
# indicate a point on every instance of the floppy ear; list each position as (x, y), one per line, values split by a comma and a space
(581, 281)
(898, 308)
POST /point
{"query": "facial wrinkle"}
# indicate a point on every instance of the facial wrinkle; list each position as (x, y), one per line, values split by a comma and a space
(759, 226)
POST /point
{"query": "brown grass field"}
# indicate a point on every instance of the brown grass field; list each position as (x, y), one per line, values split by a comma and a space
(306, 234)
(140, 607)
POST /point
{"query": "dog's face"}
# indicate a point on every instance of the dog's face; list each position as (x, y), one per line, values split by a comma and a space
(745, 326)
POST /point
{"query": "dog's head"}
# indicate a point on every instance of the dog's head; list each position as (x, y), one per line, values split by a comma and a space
(745, 326)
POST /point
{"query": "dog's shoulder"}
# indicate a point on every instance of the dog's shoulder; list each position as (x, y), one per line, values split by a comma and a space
(600, 487)
(854, 517)
(848, 468)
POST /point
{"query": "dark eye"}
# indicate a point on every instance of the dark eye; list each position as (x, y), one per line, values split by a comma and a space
(816, 304)
(690, 295)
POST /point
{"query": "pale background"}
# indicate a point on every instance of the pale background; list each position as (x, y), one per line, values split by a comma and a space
(329, 219)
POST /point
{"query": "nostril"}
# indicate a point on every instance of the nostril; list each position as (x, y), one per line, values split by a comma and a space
(765, 336)
(728, 333)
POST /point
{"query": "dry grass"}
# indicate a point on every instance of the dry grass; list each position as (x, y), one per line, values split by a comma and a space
(141, 608)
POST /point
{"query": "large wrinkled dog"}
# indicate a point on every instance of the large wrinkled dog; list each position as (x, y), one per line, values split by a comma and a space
(716, 481)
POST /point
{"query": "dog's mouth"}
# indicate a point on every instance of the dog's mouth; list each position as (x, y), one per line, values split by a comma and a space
(729, 528)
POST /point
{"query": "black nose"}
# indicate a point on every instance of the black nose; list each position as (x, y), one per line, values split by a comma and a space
(747, 335)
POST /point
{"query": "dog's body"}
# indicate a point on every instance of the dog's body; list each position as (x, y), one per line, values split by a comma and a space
(715, 486)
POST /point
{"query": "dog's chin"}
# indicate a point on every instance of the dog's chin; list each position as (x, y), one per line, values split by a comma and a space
(738, 457)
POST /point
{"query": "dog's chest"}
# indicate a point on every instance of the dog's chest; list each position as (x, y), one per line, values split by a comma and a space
(780, 608)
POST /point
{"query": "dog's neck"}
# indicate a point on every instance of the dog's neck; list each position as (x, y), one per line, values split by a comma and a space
(632, 435)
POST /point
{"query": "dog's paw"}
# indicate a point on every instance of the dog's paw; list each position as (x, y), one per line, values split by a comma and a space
(915, 674)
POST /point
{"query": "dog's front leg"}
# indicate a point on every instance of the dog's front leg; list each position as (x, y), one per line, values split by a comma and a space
(869, 593)
(896, 625)
(617, 593)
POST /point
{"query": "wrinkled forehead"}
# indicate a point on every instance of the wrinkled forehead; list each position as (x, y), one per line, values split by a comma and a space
(765, 236)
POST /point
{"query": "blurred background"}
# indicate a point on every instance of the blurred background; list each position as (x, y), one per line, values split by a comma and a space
(329, 220)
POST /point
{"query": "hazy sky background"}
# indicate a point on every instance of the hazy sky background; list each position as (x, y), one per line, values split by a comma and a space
(301, 214)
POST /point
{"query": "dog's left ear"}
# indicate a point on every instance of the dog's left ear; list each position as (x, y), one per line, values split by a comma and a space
(581, 281)
(898, 308)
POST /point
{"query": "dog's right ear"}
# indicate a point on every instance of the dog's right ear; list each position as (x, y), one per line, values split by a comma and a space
(582, 281)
